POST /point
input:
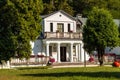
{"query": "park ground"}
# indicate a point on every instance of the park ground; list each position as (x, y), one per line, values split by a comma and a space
(71, 73)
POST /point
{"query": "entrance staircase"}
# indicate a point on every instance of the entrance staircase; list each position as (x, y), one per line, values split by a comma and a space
(70, 64)
(73, 64)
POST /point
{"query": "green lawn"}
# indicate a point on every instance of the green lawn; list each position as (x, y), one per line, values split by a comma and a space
(89, 73)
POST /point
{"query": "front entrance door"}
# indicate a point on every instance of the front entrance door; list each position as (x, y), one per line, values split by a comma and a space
(63, 54)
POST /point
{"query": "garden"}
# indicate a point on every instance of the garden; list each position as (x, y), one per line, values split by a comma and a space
(48, 73)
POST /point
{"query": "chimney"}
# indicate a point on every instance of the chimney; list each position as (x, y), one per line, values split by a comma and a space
(79, 16)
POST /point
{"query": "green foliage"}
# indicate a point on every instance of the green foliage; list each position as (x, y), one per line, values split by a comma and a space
(85, 6)
(74, 7)
(114, 7)
(55, 5)
(100, 31)
(63, 5)
(19, 24)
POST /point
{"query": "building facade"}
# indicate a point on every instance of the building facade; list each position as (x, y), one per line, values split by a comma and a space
(61, 38)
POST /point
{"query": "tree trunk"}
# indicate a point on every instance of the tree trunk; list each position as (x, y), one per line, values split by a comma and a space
(100, 56)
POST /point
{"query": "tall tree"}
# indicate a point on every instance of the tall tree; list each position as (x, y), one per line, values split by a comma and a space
(79, 6)
(85, 6)
(19, 24)
(100, 32)
(114, 7)
(55, 5)
(64, 5)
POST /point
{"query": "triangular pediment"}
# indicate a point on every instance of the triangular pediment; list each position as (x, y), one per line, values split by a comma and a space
(59, 15)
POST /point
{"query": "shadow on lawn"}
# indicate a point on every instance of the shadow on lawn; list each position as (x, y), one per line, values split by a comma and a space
(69, 74)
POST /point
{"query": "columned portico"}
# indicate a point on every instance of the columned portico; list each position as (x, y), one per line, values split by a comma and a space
(65, 51)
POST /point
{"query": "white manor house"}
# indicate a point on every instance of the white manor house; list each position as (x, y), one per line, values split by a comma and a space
(62, 38)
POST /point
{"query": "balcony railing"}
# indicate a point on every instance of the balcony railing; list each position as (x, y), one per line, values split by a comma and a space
(63, 35)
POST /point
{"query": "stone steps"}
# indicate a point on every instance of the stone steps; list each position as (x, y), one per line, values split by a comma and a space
(67, 63)
(72, 63)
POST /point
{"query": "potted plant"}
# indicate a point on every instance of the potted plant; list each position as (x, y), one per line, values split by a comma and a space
(70, 31)
(52, 60)
(57, 31)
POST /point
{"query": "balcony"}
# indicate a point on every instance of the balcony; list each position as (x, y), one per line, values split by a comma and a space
(62, 35)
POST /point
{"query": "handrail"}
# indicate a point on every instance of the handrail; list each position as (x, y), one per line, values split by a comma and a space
(70, 35)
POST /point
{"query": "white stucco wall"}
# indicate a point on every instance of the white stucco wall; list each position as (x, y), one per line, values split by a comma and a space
(84, 55)
(37, 47)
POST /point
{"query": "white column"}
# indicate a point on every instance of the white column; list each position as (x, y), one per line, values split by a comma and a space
(80, 51)
(58, 52)
(77, 52)
(47, 49)
(8, 64)
(71, 52)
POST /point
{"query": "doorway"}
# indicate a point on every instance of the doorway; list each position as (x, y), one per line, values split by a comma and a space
(60, 27)
(63, 54)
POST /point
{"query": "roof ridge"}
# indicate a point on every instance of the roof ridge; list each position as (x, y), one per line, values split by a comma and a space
(65, 13)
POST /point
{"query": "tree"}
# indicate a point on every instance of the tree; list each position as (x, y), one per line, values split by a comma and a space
(19, 24)
(85, 6)
(114, 7)
(55, 5)
(63, 5)
(100, 32)
(80, 6)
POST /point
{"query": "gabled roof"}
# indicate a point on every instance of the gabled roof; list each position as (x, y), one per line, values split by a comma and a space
(45, 16)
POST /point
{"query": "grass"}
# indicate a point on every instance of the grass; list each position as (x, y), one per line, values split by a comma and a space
(42, 73)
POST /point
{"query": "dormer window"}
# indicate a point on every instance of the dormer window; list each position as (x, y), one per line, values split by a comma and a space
(51, 27)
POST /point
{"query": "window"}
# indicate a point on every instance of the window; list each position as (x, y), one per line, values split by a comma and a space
(51, 27)
(60, 27)
(68, 27)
